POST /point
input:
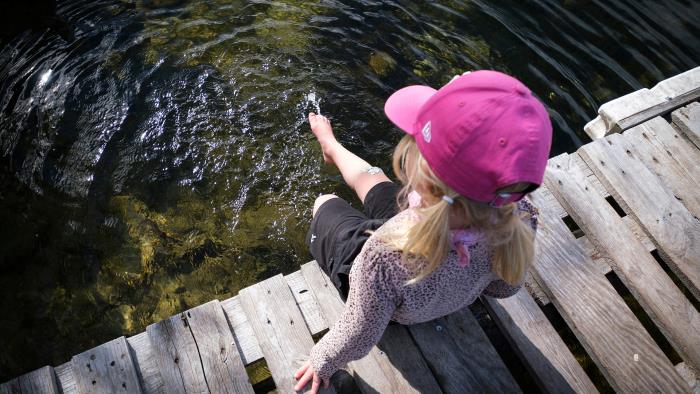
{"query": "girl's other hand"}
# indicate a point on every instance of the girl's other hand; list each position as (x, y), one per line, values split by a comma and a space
(457, 76)
(305, 374)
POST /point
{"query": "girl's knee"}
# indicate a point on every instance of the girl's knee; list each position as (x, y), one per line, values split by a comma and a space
(320, 200)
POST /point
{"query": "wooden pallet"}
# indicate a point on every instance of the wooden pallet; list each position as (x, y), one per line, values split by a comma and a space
(652, 171)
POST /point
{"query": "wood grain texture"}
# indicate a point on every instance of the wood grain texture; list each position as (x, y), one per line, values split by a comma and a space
(687, 120)
(146, 364)
(634, 108)
(280, 329)
(603, 192)
(306, 302)
(538, 344)
(661, 299)
(40, 381)
(594, 311)
(604, 264)
(107, 368)
(673, 144)
(690, 376)
(669, 223)
(65, 378)
(243, 333)
(196, 352)
(395, 365)
(461, 355)
(670, 157)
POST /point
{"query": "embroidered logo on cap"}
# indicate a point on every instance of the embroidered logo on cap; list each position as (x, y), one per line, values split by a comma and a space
(426, 132)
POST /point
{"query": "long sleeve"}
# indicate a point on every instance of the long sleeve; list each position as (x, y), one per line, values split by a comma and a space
(501, 289)
(371, 302)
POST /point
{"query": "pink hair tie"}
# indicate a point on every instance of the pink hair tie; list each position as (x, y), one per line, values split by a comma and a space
(461, 241)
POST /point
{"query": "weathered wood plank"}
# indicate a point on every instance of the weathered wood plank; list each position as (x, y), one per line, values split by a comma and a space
(146, 364)
(66, 379)
(668, 155)
(196, 352)
(538, 344)
(596, 314)
(690, 376)
(677, 146)
(382, 370)
(218, 353)
(279, 327)
(535, 290)
(672, 227)
(634, 108)
(306, 302)
(604, 264)
(687, 120)
(461, 355)
(661, 299)
(107, 368)
(40, 381)
(242, 331)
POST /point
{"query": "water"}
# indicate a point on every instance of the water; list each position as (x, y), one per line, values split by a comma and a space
(161, 158)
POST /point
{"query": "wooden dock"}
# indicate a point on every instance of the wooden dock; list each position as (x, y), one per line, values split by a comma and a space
(620, 213)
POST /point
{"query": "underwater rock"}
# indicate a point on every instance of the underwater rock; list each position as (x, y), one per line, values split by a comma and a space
(382, 63)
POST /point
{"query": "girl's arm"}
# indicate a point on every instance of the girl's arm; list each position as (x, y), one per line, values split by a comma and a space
(370, 305)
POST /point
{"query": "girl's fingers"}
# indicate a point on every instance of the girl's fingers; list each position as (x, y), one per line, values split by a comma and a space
(308, 375)
(301, 371)
(314, 386)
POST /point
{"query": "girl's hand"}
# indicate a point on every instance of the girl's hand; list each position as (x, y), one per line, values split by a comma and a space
(304, 375)
(457, 76)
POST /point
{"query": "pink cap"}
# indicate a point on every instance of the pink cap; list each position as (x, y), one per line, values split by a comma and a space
(481, 132)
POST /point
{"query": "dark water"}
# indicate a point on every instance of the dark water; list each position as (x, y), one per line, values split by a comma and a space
(161, 158)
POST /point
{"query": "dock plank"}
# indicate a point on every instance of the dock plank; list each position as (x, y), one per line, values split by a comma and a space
(642, 145)
(40, 381)
(66, 379)
(280, 329)
(538, 344)
(196, 352)
(669, 223)
(661, 299)
(599, 318)
(107, 368)
(634, 108)
(461, 355)
(306, 302)
(658, 139)
(687, 120)
(384, 369)
(242, 331)
(146, 364)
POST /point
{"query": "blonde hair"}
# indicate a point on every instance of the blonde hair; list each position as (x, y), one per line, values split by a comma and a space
(426, 243)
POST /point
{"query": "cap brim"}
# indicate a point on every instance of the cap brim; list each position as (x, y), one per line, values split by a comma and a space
(402, 107)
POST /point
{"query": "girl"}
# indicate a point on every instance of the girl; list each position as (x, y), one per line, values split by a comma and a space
(456, 228)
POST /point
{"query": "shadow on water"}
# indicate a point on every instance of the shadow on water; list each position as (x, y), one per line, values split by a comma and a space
(157, 156)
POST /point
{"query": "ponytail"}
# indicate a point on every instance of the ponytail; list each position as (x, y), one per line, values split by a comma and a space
(514, 246)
